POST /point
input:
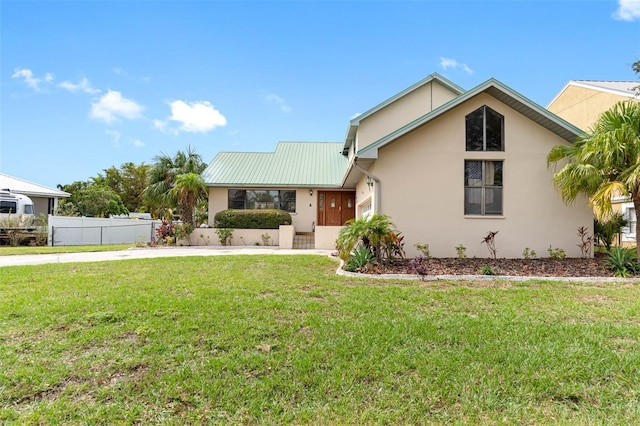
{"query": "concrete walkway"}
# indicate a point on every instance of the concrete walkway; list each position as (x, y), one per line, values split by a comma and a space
(145, 253)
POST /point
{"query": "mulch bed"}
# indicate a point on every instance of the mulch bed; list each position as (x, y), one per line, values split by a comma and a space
(545, 267)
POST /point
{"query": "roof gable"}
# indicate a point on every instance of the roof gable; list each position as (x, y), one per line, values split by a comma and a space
(620, 88)
(24, 187)
(301, 164)
(355, 122)
(499, 91)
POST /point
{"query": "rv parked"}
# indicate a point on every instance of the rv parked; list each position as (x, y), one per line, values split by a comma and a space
(16, 210)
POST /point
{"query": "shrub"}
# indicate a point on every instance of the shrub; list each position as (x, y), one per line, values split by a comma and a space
(487, 270)
(419, 265)
(528, 253)
(252, 219)
(557, 253)
(183, 230)
(606, 231)
(224, 235)
(622, 261)
(461, 251)
(165, 233)
(424, 249)
(359, 258)
(490, 241)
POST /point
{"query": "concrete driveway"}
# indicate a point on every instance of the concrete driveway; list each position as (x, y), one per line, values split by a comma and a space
(147, 252)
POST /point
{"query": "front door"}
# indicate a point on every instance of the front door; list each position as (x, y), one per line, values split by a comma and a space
(335, 207)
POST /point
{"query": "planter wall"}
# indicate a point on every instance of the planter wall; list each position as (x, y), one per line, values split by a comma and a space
(241, 237)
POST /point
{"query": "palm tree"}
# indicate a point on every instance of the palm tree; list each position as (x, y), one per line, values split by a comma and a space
(188, 189)
(162, 178)
(603, 163)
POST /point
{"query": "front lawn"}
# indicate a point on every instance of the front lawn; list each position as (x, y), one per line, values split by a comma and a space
(282, 339)
(9, 250)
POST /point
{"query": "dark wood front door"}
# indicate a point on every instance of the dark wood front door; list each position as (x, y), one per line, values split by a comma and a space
(336, 207)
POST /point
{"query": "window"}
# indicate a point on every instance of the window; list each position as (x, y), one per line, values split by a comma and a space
(482, 187)
(629, 231)
(366, 209)
(484, 130)
(262, 199)
(8, 207)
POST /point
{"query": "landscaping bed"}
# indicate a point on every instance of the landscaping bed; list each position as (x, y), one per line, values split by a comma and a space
(544, 267)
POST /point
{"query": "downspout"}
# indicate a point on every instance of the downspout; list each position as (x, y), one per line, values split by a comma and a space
(376, 208)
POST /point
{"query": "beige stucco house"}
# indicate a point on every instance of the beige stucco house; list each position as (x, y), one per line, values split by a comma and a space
(581, 102)
(447, 165)
(45, 199)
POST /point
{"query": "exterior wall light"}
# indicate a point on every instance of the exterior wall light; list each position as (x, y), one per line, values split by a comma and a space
(369, 181)
(311, 192)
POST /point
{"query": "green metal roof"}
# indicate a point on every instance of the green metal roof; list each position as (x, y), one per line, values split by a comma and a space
(306, 164)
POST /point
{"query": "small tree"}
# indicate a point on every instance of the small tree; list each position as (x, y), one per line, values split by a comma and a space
(603, 163)
(376, 232)
(188, 189)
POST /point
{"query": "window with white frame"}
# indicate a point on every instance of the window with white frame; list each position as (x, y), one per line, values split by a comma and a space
(365, 208)
(629, 231)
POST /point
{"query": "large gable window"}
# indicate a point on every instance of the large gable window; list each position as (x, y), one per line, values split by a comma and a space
(262, 199)
(484, 130)
(482, 187)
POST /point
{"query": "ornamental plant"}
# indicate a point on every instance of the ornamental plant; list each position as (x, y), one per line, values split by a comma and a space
(165, 233)
(183, 230)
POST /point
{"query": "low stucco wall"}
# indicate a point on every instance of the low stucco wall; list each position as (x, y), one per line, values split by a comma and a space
(241, 237)
(287, 232)
(326, 237)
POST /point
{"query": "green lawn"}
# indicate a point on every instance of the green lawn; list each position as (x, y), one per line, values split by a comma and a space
(9, 251)
(282, 339)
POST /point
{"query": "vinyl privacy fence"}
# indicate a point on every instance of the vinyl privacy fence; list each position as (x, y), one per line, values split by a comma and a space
(67, 231)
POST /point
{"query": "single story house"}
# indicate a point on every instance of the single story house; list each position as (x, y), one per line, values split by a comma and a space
(447, 165)
(581, 102)
(45, 199)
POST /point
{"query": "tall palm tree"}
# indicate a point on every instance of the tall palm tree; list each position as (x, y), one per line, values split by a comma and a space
(162, 178)
(188, 189)
(603, 163)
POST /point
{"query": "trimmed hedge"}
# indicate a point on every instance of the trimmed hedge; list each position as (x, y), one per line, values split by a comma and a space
(251, 219)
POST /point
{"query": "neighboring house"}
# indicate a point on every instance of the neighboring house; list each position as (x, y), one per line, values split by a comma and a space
(581, 102)
(45, 199)
(446, 165)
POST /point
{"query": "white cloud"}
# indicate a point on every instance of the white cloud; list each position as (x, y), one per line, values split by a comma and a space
(30, 80)
(194, 117)
(446, 63)
(114, 135)
(628, 10)
(275, 99)
(112, 106)
(160, 125)
(82, 86)
(138, 143)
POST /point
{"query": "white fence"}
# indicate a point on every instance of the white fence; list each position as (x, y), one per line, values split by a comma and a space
(67, 231)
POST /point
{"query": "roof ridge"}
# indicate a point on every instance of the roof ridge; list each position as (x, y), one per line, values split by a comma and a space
(611, 81)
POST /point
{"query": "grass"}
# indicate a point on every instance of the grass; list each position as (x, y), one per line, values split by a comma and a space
(9, 251)
(282, 339)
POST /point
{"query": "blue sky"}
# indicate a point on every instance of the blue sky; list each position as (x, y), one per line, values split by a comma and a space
(86, 85)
